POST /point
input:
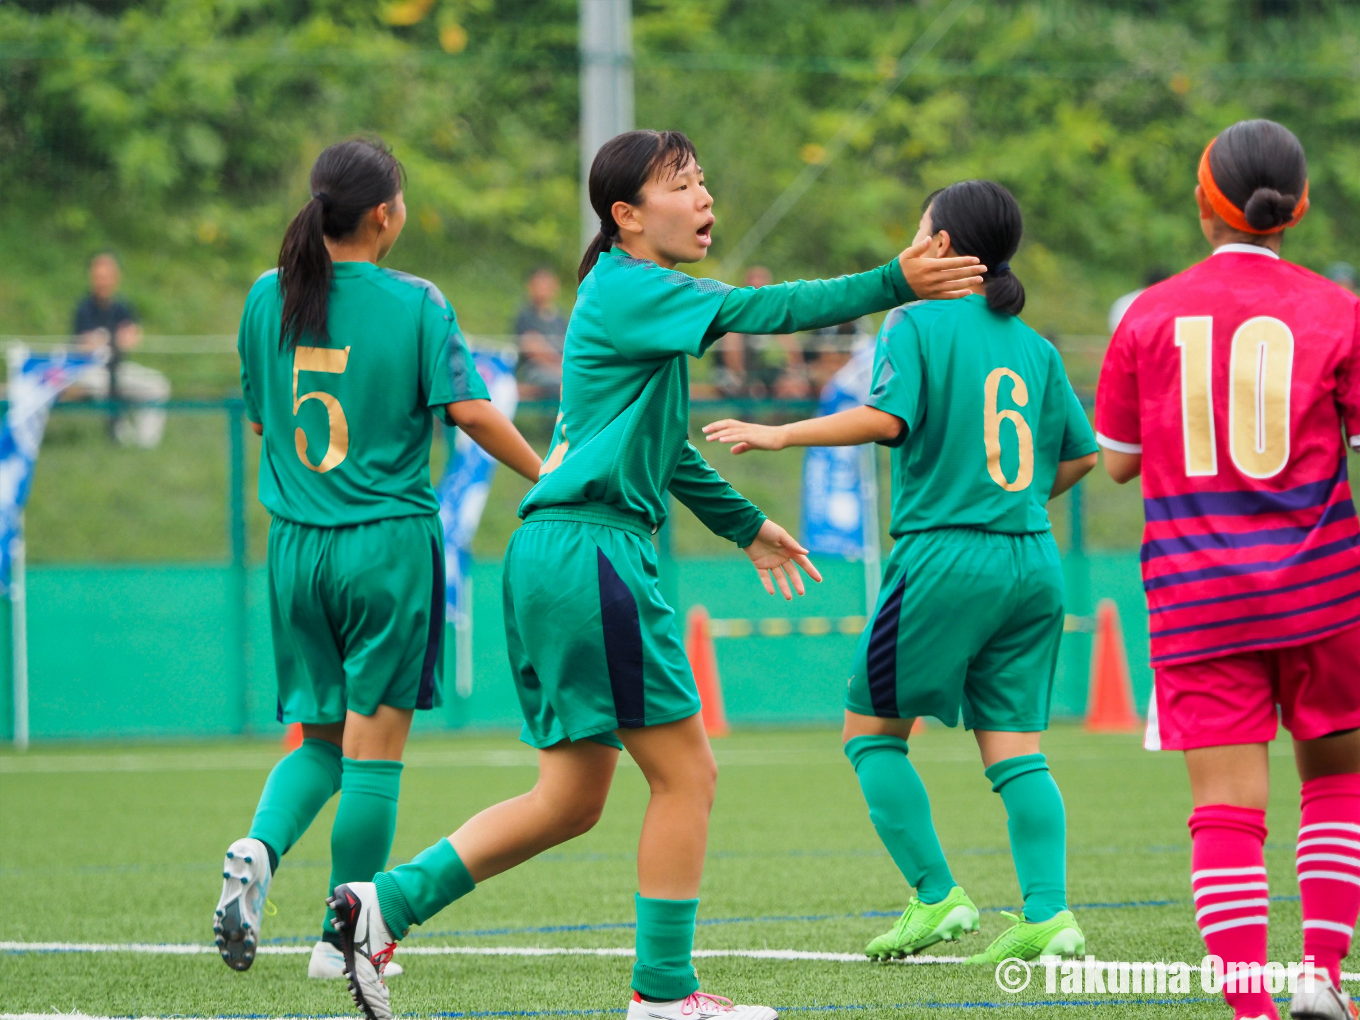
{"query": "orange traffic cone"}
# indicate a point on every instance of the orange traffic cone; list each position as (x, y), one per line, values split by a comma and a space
(704, 663)
(292, 737)
(1109, 709)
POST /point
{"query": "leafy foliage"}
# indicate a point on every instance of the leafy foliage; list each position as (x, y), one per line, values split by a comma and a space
(180, 131)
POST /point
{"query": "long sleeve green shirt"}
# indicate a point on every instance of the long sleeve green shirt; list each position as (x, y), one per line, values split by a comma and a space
(622, 437)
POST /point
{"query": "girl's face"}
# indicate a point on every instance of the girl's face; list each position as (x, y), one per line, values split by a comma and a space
(674, 221)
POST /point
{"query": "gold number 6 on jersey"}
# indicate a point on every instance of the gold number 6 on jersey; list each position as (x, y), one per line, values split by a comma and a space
(322, 359)
(991, 430)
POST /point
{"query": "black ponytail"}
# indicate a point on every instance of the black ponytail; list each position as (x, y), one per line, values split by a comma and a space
(983, 219)
(1261, 169)
(622, 166)
(347, 180)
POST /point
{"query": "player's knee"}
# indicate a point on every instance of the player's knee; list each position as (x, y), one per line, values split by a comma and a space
(580, 817)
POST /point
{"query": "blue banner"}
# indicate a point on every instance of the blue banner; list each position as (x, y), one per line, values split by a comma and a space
(466, 483)
(834, 487)
(35, 382)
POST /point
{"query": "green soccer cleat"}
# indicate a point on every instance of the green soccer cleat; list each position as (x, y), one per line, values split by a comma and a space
(1025, 940)
(924, 924)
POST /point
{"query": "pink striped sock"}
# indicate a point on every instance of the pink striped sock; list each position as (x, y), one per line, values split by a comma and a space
(1329, 868)
(1232, 899)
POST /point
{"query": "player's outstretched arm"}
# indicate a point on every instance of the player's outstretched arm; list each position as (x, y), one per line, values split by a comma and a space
(774, 552)
(845, 428)
(1122, 467)
(496, 434)
(1070, 472)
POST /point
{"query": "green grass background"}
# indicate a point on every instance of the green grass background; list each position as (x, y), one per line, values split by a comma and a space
(90, 853)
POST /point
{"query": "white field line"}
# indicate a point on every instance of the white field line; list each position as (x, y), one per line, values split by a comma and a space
(194, 949)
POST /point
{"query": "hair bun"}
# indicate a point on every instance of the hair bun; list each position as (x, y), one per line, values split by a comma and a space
(1267, 209)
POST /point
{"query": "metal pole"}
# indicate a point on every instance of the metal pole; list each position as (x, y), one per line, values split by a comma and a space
(462, 642)
(873, 542)
(18, 603)
(236, 532)
(1077, 575)
(606, 48)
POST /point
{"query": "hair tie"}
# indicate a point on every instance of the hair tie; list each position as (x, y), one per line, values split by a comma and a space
(1229, 213)
(608, 227)
(323, 198)
(1004, 267)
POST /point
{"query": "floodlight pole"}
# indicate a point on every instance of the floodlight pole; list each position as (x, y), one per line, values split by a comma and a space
(606, 48)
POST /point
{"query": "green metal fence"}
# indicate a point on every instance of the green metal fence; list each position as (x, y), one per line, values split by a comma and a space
(170, 650)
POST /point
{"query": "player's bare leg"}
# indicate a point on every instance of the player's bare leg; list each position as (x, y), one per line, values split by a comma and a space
(678, 764)
(371, 917)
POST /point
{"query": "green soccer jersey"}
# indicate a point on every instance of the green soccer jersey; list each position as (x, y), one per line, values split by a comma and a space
(622, 435)
(347, 426)
(989, 413)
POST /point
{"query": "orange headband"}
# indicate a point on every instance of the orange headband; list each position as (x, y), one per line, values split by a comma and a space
(1232, 215)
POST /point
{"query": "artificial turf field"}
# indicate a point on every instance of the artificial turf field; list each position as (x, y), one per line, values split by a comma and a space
(123, 844)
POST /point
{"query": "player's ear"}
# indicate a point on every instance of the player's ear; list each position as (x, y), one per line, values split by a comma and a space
(1206, 211)
(625, 215)
(940, 246)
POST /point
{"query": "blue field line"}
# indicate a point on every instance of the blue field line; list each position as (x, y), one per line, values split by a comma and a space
(560, 929)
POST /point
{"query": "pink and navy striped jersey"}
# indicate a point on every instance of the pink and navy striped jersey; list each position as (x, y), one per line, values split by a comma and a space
(1239, 383)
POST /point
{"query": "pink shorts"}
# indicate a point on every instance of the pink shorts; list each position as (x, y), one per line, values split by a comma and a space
(1232, 699)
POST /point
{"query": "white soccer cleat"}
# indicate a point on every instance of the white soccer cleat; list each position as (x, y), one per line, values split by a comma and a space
(1321, 1001)
(328, 964)
(245, 884)
(368, 945)
(699, 1006)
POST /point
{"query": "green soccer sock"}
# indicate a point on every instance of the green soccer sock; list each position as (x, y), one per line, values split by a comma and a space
(414, 892)
(1038, 828)
(899, 807)
(365, 823)
(295, 791)
(664, 970)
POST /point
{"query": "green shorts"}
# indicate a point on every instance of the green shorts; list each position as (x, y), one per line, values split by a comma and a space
(965, 620)
(593, 646)
(358, 616)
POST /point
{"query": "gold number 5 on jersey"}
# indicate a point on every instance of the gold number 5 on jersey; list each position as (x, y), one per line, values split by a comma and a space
(334, 361)
(991, 430)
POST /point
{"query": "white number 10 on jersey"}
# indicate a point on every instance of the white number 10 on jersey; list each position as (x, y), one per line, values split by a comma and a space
(1260, 376)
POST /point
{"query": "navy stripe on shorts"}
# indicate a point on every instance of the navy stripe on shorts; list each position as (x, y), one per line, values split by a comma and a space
(425, 694)
(881, 660)
(622, 645)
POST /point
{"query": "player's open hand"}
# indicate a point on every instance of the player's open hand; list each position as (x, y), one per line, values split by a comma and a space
(746, 436)
(932, 278)
(773, 552)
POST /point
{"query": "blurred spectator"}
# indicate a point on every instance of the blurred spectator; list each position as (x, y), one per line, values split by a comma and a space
(540, 329)
(826, 352)
(760, 366)
(104, 321)
(1343, 275)
(1121, 304)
